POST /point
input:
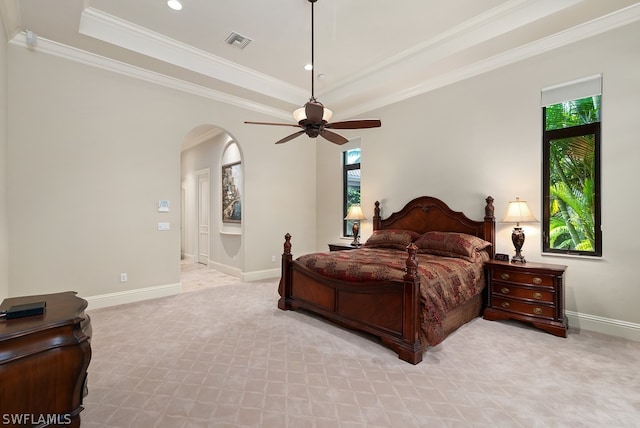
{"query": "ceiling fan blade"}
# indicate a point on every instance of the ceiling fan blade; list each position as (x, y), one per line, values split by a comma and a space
(355, 124)
(314, 111)
(271, 123)
(290, 137)
(333, 137)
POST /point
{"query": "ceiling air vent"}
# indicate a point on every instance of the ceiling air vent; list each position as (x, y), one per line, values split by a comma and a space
(237, 40)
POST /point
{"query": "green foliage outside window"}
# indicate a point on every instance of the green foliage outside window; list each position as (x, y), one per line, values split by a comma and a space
(572, 113)
(353, 196)
(571, 179)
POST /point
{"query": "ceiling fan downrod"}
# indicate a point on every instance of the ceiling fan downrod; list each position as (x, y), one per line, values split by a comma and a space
(313, 66)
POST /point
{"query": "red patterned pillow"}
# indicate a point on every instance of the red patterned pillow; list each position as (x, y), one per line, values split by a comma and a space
(451, 244)
(391, 238)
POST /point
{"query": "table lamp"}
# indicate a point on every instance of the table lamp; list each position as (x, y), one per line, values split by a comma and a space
(518, 212)
(355, 213)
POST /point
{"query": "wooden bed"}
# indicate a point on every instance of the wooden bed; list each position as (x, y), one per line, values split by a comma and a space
(387, 309)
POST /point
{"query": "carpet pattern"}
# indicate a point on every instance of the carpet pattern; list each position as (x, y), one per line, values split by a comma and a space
(227, 357)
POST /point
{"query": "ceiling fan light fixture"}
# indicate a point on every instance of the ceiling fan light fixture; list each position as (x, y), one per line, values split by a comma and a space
(301, 114)
(314, 119)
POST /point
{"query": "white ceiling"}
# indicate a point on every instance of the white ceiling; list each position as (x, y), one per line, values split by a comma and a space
(370, 53)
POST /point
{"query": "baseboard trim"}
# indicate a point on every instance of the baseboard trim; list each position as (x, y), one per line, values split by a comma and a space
(260, 275)
(611, 327)
(130, 296)
(229, 270)
(257, 275)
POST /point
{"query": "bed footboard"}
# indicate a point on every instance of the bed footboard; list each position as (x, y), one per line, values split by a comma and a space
(388, 309)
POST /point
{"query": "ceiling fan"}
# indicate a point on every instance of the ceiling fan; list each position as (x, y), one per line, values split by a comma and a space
(313, 118)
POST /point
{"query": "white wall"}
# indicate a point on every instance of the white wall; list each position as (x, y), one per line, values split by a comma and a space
(90, 154)
(483, 137)
(4, 225)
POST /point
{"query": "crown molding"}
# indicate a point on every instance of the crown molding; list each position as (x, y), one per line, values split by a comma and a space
(481, 28)
(200, 136)
(110, 29)
(612, 21)
(90, 59)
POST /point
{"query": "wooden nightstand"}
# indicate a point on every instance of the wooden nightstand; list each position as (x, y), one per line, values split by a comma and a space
(529, 292)
(342, 247)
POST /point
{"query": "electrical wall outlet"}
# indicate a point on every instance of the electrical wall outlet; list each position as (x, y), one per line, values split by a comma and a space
(124, 277)
(273, 259)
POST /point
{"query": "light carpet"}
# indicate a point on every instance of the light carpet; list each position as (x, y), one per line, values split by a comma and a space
(227, 357)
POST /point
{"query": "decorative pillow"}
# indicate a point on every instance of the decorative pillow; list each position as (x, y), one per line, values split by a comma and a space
(391, 238)
(451, 244)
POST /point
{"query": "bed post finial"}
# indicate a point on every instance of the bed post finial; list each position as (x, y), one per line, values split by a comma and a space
(411, 272)
(377, 221)
(490, 225)
(287, 244)
(489, 209)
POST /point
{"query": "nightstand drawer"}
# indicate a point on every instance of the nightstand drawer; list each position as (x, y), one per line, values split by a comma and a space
(532, 309)
(525, 278)
(501, 289)
(529, 292)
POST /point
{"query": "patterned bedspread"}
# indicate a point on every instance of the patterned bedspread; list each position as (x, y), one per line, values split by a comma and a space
(445, 282)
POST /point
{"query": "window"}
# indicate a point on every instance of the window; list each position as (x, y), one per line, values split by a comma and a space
(571, 175)
(351, 183)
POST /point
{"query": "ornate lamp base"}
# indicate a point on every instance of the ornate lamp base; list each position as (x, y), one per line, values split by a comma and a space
(355, 229)
(517, 237)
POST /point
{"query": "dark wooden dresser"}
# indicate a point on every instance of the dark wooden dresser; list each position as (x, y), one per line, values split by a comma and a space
(43, 362)
(529, 292)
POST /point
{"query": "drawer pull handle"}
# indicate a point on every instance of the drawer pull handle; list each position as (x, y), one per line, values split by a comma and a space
(537, 296)
(505, 305)
(505, 290)
(504, 276)
(537, 280)
(537, 311)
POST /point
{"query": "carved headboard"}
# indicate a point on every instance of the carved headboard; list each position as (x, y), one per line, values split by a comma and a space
(426, 214)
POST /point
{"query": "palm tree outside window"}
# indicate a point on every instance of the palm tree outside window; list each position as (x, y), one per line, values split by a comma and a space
(571, 177)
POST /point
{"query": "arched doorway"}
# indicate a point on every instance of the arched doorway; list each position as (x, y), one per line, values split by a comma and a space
(208, 235)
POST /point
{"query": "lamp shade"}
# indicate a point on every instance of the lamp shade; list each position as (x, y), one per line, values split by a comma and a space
(518, 212)
(301, 114)
(355, 213)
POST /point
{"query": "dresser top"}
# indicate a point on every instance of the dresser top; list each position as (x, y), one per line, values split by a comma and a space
(527, 265)
(62, 309)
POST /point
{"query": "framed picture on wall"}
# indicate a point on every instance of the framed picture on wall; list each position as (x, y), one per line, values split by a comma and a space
(231, 196)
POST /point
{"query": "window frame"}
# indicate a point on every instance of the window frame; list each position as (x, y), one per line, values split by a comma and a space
(346, 229)
(548, 136)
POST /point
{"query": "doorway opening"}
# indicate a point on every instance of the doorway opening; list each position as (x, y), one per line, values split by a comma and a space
(207, 239)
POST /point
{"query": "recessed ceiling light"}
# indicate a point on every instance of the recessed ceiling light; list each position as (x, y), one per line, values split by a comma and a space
(174, 4)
